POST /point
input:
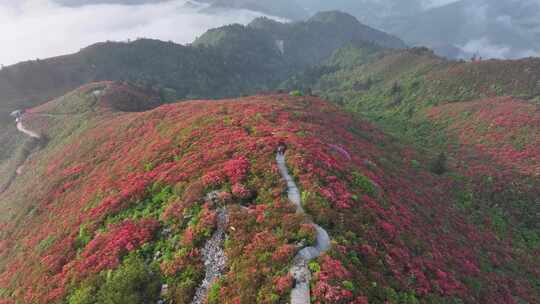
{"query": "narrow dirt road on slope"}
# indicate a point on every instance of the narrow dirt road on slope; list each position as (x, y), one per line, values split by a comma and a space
(300, 271)
(24, 154)
(30, 133)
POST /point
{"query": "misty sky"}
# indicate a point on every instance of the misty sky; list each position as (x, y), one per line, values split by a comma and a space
(435, 3)
(31, 29)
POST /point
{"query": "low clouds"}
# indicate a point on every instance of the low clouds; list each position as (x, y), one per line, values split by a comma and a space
(487, 49)
(31, 29)
(434, 3)
(507, 29)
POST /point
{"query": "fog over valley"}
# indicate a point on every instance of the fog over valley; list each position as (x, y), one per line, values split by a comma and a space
(31, 29)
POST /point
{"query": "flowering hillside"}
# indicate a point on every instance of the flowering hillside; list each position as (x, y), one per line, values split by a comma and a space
(115, 209)
(507, 129)
(477, 121)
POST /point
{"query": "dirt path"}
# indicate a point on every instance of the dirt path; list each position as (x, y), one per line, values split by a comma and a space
(35, 141)
(214, 258)
(30, 133)
(300, 271)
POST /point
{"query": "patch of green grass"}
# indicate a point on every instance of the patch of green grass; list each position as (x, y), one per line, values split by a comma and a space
(213, 293)
(45, 243)
(152, 206)
(364, 183)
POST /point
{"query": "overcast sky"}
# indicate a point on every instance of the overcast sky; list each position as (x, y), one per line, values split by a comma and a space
(434, 3)
(31, 29)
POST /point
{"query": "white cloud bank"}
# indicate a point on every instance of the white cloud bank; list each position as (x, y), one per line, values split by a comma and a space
(31, 29)
(486, 49)
(436, 3)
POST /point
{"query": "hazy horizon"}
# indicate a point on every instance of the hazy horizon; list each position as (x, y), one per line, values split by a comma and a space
(37, 29)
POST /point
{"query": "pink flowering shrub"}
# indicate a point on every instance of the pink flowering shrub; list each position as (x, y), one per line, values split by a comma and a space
(328, 288)
(236, 169)
(240, 191)
(106, 249)
(396, 230)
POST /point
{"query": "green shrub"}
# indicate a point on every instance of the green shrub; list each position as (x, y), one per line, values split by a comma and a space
(314, 267)
(150, 207)
(396, 88)
(45, 243)
(131, 283)
(83, 238)
(296, 93)
(348, 285)
(391, 295)
(408, 298)
(439, 165)
(85, 294)
(213, 293)
(363, 183)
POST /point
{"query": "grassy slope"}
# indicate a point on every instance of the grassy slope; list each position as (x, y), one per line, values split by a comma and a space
(112, 189)
(16, 146)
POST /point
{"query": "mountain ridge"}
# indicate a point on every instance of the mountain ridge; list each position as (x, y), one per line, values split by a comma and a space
(30, 83)
(424, 171)
(121, 201)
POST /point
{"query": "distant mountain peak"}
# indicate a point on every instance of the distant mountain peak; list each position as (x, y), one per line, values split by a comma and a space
(333, 16)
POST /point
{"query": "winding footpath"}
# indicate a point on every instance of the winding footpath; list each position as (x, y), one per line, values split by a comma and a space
(214, 258)
(20, 165)
(30, 133)
(300, 271)
(24, 130)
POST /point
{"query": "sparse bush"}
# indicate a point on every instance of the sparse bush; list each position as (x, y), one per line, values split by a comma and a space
(363, 183)
(396, 88)
(213, 293)
(296, 93)
(439, 165)
(86, 294)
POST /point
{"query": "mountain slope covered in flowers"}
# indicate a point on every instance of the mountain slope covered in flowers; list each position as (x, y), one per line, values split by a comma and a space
(478, 121)
(115, 208)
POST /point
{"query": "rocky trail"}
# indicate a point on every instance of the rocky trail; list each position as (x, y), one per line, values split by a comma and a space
(300, 271)
(214, 257)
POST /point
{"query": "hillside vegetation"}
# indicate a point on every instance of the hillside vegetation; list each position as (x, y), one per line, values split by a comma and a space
(251, 61)
(114, 206)
(476, 120)
(230, 61)
(424, 172)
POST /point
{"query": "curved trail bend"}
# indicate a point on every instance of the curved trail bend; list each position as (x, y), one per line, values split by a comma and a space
(20, 164)
(300, 271)
(24, 130)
